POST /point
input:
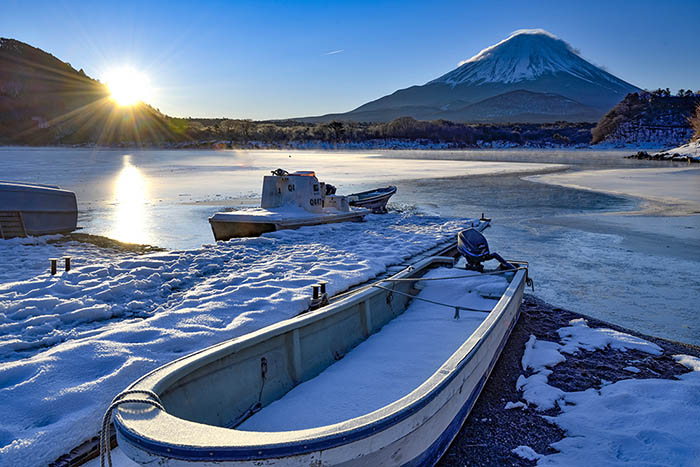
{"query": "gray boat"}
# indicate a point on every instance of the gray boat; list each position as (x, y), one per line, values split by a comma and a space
(289, 201)
(33, 209)
(198, 409)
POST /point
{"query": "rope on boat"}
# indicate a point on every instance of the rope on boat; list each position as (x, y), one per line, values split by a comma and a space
(256, 406)
(105, 449)
(415, 297)
(417, 279)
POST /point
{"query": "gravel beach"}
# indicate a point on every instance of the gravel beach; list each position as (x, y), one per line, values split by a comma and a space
(491, 432)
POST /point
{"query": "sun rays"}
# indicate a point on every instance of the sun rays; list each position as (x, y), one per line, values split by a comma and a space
(128, 86)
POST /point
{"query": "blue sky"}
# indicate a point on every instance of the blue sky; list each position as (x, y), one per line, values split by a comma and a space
(263, 59)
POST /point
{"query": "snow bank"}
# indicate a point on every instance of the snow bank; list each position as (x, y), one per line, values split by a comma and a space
(25, 258)
(72, 341)
(686, 151)
(630, 422)
(540, 356)
(412, 347)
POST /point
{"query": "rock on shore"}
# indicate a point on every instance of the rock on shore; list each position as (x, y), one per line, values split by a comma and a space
(686, 153)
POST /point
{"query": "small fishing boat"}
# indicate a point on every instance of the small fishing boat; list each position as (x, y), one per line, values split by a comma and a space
(33, 209)
(385, 375)
(374, 200)
(289, 201)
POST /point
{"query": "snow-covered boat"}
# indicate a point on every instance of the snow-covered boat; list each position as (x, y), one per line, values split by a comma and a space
(289, 201)
(33, 209)
(335, 386)
(375, 200)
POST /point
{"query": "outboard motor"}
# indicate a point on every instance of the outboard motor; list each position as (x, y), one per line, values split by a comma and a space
(473, 246)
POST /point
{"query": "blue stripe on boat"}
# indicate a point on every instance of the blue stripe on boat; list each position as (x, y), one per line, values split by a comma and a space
(432, 454)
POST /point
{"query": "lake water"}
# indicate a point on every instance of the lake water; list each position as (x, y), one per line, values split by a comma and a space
(165, 197)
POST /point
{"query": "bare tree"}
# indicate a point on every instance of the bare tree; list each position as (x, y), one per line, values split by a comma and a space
(695, 122)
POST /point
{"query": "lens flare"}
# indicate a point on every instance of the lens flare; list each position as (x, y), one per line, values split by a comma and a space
(128, 86)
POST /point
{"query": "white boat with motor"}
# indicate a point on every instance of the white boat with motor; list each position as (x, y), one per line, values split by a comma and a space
(385, 375)
(33, 209)
(289, 201)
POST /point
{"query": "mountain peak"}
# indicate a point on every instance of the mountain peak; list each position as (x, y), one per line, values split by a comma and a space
(531, 76)
(521, 42)
(525, 55)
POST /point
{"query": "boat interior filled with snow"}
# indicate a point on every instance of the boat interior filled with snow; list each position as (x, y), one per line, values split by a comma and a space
(385, 375)
(289, 201)
(33, 209)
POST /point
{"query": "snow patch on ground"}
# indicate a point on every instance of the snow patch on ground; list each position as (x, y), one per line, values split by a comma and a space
(526, 452)
(540, 356)
(690, 150)
(70, 342)
(632, 422)
(579, 336)
(26, 258)
(629, 422)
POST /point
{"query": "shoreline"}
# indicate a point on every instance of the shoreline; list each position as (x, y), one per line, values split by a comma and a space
(492, 432)
(403, 145)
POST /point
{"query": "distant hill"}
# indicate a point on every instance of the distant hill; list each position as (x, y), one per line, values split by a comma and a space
(46, 101)
(655, 117)
(531, 76)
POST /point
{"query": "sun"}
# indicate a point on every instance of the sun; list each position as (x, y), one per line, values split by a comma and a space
(128, 86)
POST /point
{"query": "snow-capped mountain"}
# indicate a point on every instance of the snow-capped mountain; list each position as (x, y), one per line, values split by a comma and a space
(532, 76)
(525, 56)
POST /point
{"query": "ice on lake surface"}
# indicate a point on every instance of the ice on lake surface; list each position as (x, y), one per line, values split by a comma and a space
(165, 198)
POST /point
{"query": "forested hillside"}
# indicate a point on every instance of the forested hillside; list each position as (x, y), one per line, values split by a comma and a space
(649, 117)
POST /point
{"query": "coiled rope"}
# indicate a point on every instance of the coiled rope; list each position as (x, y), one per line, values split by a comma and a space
(105, 449)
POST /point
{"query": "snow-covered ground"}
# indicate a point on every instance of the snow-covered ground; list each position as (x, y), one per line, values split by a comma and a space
(690, 150)
(72, 341)
(629, 422)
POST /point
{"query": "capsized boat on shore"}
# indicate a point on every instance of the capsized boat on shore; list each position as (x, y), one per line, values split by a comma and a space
(34, 209)
(289, 201)
(203, 408)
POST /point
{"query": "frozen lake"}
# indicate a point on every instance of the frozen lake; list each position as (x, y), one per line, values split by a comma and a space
(602, 266)
(69, 343)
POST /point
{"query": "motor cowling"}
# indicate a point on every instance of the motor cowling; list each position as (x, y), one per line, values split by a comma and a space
(473, 246)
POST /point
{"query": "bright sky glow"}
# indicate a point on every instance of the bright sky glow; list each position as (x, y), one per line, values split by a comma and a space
(128, 86)
(261, 59)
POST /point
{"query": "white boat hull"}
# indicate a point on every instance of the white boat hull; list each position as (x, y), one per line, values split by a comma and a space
(226, 226)
(416, 430)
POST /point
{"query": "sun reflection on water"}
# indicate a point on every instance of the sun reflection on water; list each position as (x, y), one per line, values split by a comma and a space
(131, 198)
